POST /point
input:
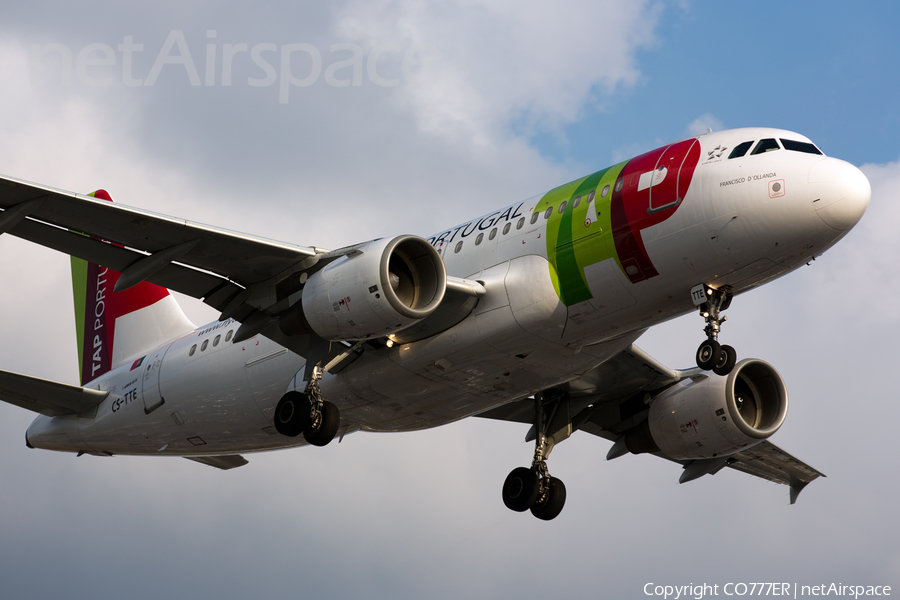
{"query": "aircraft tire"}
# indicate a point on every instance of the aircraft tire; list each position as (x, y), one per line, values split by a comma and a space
(556, 499)
(520, 490)
(708, 354)
(292, 414)
(328, 426)
(726, 362)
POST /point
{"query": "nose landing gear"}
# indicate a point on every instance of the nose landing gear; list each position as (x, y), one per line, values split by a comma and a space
(533, 488)
(712, 355)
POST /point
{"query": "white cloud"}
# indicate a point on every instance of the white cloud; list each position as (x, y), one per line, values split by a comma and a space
(704, 122)
(508, 61)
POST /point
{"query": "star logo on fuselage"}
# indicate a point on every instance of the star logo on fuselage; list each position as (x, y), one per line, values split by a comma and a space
(716, 152)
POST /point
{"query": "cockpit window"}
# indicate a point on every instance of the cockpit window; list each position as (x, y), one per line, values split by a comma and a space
(800, 146)
(740, 149)
(766, 145)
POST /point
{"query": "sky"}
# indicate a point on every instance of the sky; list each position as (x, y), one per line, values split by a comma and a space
(351, 120)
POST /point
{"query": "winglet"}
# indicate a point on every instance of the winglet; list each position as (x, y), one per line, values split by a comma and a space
(797, 487)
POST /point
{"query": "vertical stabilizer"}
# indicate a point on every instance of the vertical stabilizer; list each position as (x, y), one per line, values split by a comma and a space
(115, 326)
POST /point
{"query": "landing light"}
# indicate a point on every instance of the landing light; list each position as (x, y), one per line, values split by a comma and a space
(389, 343)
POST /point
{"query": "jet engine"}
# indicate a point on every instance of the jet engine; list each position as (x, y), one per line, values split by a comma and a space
(379, 289)
(713, 416)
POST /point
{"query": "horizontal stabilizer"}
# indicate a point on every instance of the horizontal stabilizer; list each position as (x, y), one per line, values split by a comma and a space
(47, 397)
(224, 462)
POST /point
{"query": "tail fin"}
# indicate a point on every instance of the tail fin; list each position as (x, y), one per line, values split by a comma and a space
(114, 326)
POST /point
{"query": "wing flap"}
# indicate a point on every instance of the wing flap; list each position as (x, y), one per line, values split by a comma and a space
(47, 397)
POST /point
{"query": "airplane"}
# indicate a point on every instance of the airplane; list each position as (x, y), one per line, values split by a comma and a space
(527, 314)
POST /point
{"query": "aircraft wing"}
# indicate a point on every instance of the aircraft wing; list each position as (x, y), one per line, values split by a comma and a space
(612, 398)
(198, 260)
(47, 397)
(248, 278)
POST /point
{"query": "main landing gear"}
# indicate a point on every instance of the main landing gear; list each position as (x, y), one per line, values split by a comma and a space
(533, 488)
(307, 413)
(712, 355)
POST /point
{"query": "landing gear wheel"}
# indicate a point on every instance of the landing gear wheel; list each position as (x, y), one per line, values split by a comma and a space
(708, 354)
(323, 429)
(553, 505)
(292, 414)
(520, 490)
(726, 361)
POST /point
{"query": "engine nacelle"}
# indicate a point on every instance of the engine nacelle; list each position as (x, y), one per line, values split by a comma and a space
(390, 285)
(715, 416)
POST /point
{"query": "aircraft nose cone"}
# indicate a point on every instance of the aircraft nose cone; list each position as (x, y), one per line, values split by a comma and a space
(839, 192)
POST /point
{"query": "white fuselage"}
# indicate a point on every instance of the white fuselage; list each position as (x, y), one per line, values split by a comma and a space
(742, 222)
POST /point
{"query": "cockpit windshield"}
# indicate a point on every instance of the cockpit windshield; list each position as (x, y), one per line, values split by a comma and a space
(740, 149)
(765, 145)
(771, 144)
(800, 146)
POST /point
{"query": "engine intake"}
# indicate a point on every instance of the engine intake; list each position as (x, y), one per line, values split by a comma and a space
(388, 286)
(714, 416)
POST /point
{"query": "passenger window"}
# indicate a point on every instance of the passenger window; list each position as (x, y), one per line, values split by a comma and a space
(521, 223)
(216, 341)
(740, 149)
(228, 336)
(562, 207)
(605, 192)
(800, 146)
(479, 238)
(204, 345)
(506, 228)
(493, 233)
(534, 218)
(458, 247)
(193, 349)
(766, 145)
(619, 185)
(548, 212)
(590, 197)
(576, 202)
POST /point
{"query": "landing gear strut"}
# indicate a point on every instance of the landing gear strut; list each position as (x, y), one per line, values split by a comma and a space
(533, 488)
(712, 355)
(307, 413)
